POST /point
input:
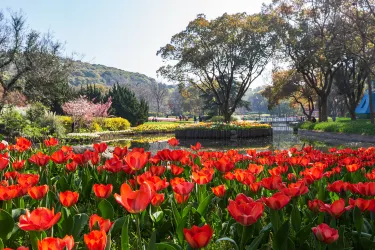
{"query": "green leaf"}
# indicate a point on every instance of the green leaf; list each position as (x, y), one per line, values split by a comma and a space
(117, 226)
(358, 219)
(108, 245)
(202, 208)
(106, 210)
(180, 227)
(7, 224)
(229, 240)
(125, 234)
(296, 218)
(152, 244)
(167, 246)
(1, 245)
(79, 223)
(176, 213)
(304, 233)
(16, 213)
(255, 243)
(280, 238)
(157, 216)
(186, 210)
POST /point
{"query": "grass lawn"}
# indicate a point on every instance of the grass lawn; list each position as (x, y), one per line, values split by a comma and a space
(342, 125)
(167, 123)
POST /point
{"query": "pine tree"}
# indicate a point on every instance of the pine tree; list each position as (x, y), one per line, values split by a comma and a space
(125, 104)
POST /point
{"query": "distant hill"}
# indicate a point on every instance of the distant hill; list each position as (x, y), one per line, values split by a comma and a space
(86, 73)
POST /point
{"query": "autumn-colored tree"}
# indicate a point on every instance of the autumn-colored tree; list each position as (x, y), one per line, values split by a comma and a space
(309, 31)
(220, 57)
(290, 85)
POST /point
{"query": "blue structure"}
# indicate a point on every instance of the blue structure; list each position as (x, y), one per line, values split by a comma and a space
(364, 107)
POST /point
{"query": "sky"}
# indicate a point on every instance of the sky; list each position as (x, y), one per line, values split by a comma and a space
(125, 34)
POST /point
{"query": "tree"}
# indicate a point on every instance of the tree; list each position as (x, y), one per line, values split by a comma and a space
(92, 92)
(125, 104)
(290, 85)
(82, 110)
(350, 81)
(48, 79)
(310, 39)
(17, 50)
(159, 92)
(221, 57)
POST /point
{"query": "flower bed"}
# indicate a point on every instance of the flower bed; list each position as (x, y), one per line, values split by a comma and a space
(52, 198)
(223, 130)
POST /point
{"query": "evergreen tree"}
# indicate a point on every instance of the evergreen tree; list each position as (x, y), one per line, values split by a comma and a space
(92, 93)
(125, 104)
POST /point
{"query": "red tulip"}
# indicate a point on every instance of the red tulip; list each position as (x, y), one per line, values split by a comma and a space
(104, 224)
(10, 192)
(157, 200)
(59, 157)
(136, 160)
(295, 189)
(4, 161)
(182, 188)
(38, 192)
(181, 199)
(245, 210)
(96, 240)
(198, 237)
(362, 204)
(157, 170)
(337, 186)
(39, 159)
(11, 175)
(51, 142)
(173, 142)
(272, 183)
(18, 165)
(71, 167)
(22, 144)
(176, 170)
(28, 180)
(353, 167)
(134, 201)
(114, 165)
(244, 176)
(255, 187)
(255, 169)
(119, 153)
(219, 191)
(40, 219)
(315, 205)
(56, 243)
(336, 209)
(197, 147)
(365, 189)
(203, 177)
(102, 191)
(100, 147)
(325, 233)
(277, 201)
(68, 198)
(224, 165)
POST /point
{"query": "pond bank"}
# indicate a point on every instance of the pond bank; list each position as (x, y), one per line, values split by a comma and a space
(345, 137)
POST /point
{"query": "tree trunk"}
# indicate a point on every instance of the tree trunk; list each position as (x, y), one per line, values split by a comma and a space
(227, 116)
(324, 108)
(369, 83)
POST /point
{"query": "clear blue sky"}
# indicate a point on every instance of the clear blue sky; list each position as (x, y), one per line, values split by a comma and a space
(125, 34)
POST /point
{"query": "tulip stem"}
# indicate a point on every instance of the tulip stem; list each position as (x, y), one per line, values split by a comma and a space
(243, 237)
(138, 224)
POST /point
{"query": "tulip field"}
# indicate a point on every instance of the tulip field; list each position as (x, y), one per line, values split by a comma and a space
(52, 198)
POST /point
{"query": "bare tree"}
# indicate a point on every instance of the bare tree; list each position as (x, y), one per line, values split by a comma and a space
(159, 92)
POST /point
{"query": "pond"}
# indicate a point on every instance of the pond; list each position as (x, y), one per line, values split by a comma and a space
(283, 138)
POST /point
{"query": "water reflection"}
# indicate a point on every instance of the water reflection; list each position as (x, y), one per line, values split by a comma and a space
(283, 138)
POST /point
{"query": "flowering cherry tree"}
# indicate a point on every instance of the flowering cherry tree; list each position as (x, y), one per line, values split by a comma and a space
(83, 110)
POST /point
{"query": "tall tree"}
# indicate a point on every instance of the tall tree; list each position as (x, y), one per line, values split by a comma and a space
(310, 39)
(221, 57)
(125, 104)
(159, 92)
(290, 85)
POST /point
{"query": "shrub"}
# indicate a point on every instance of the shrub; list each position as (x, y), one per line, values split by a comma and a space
(67, 122)
(96, 127)
(217, 119)
(115, 124)
(14, 122)
(36, 112)
(53, 125)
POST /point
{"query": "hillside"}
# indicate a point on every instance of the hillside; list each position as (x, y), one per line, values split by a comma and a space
(86, 73)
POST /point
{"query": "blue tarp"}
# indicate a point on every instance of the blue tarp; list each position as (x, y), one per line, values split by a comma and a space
(364, 107)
